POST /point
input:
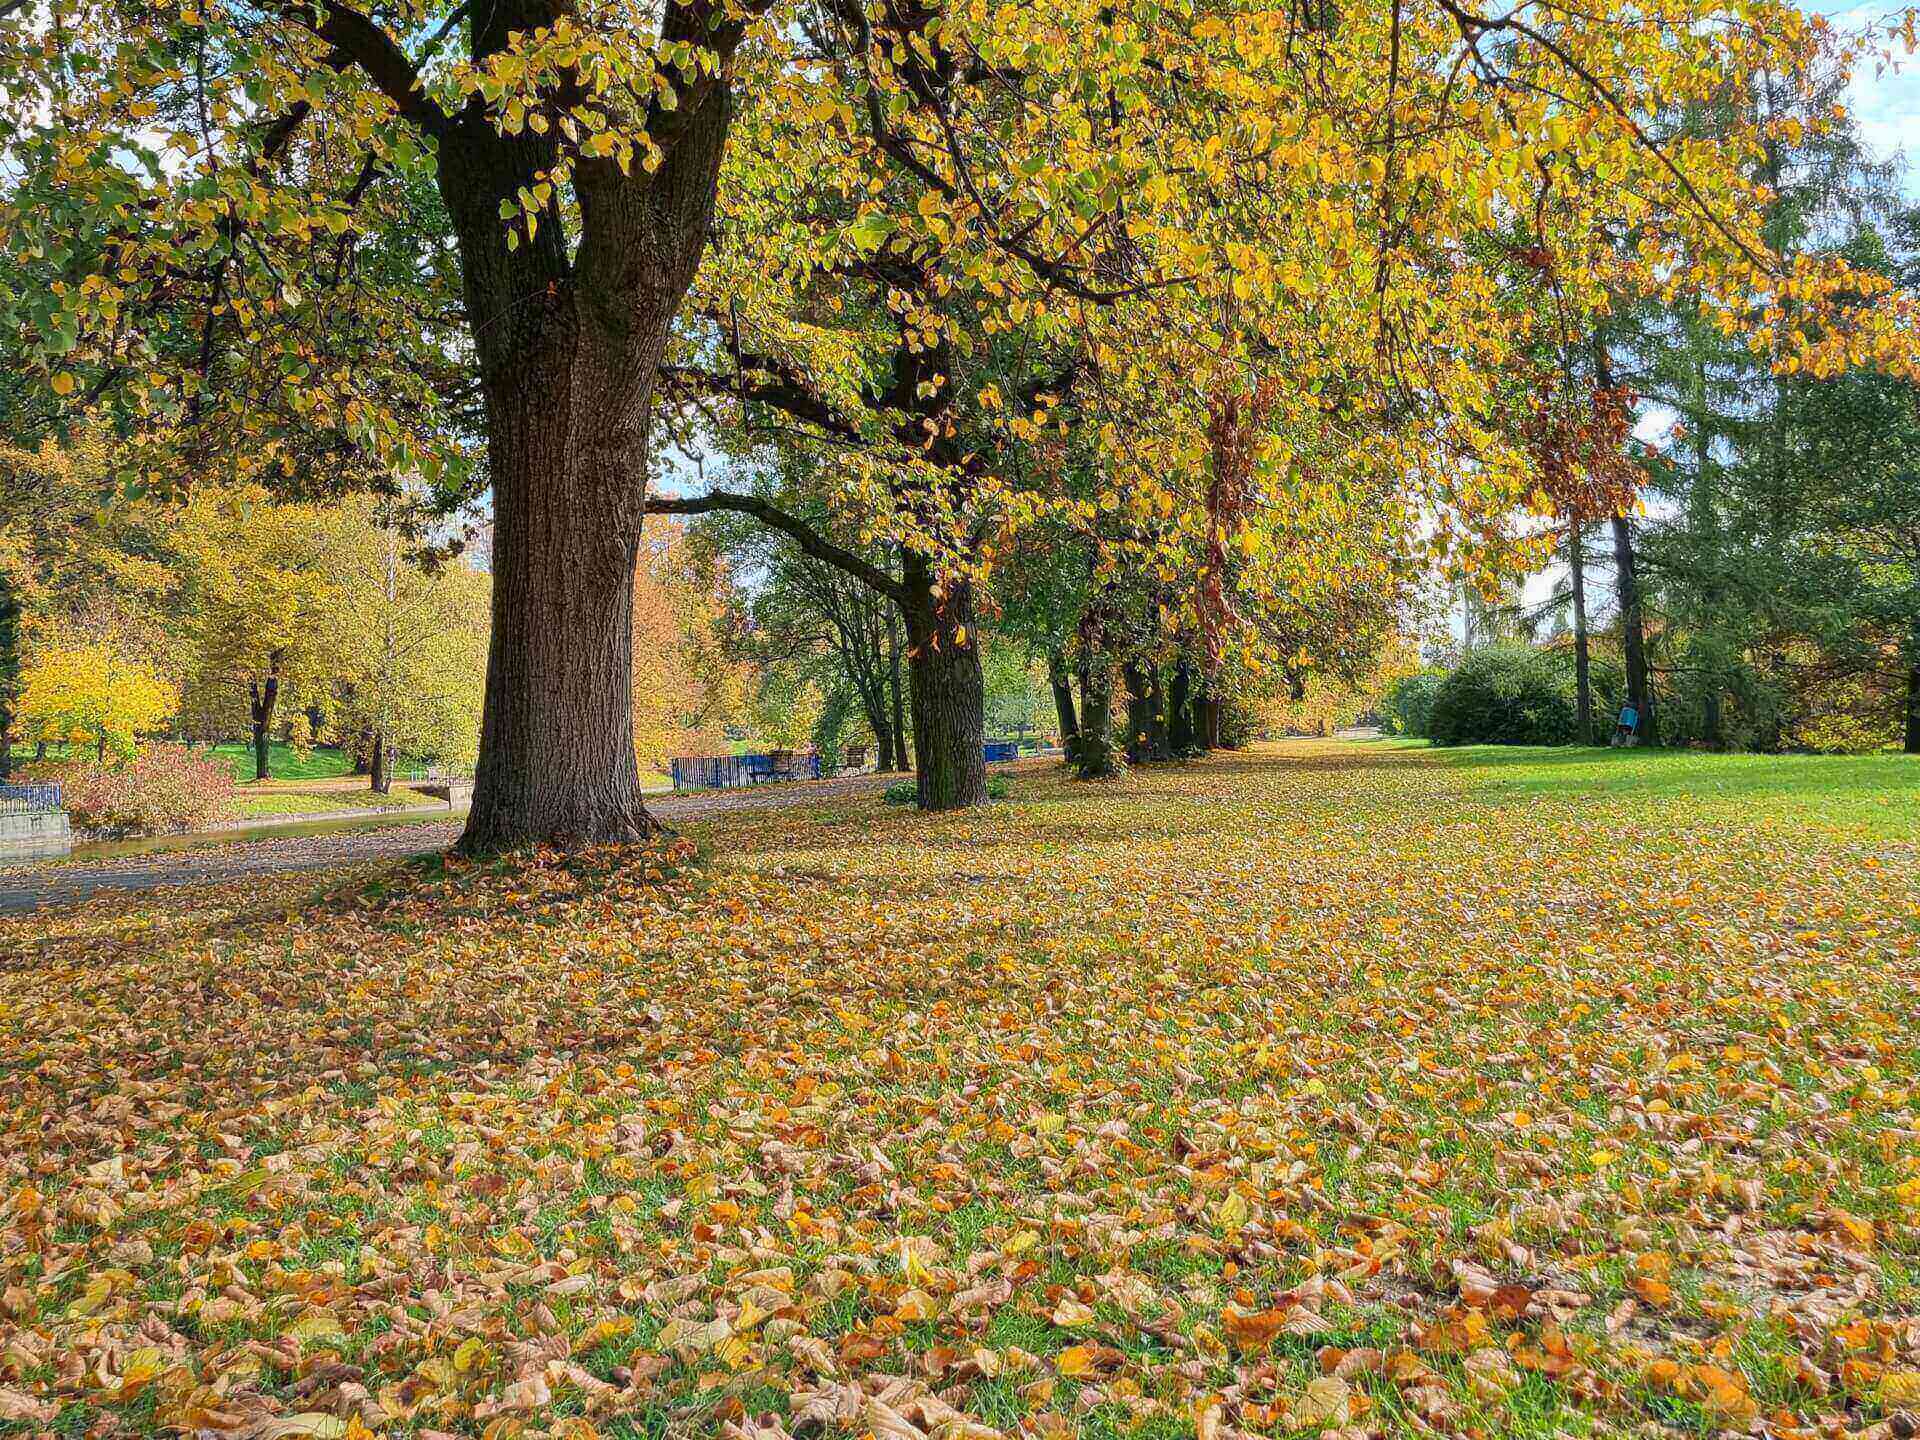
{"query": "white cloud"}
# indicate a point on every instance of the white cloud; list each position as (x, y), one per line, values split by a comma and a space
(1884, 99)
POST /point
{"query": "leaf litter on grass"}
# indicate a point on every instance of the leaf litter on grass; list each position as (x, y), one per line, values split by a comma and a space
(1265, 1095)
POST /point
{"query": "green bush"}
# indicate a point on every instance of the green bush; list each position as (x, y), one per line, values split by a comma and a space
(1508, 695)
(1407, 707)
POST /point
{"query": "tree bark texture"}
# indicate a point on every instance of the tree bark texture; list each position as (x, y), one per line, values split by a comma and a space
(9, 670)
(569, 344)
(949, 692)
(1139, 713)
(1207, 717)
(1096, 756)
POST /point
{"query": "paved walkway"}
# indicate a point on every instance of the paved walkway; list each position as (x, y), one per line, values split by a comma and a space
(26, 887)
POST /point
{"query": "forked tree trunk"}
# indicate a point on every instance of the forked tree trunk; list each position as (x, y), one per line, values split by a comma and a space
(569, 346)
(949, 693)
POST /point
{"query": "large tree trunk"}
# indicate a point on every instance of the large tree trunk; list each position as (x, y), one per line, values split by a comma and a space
(1062, 698)
(949, 693)
(1582, 659)
(557, 761)
(382, 776)
(1096, 757)
(261, 699)
(569, 349)
(1633, 630)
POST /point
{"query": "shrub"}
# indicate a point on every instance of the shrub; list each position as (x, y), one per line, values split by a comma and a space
(159, 790)
(1508, 695)
(1407, 707)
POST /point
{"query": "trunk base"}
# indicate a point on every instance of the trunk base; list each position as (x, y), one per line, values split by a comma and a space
(631, 826)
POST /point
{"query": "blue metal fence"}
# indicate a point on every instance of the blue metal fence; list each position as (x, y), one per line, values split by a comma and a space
(725, 772)
(29, 799)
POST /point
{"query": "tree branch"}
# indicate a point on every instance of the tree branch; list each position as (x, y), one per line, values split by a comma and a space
(368, 45)
(782, 390)
(804, 535)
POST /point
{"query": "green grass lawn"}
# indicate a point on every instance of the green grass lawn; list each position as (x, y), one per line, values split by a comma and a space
(264, 804)
(1880, 793)
(1319, 1091)
(323, 762)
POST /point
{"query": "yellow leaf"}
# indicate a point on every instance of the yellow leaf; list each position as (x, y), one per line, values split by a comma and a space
(1233, 1211)
(1075, 1360)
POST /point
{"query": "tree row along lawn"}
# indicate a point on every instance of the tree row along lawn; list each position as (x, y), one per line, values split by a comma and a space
(1323, 1087)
